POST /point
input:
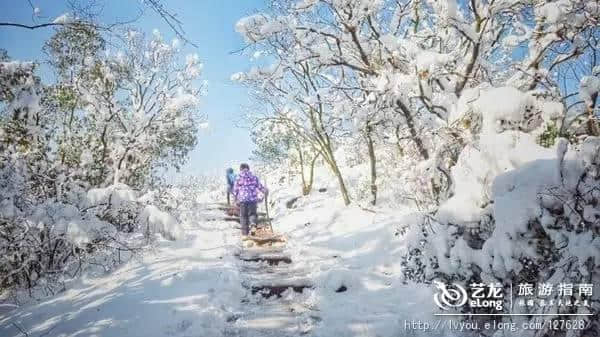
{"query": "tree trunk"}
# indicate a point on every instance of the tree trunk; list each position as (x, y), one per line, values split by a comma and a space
(338, 174)
(305, 189)
(593, 127)
(373, 162)
(411, 127)
(398, 144)
(324, 144)
(312, 172)
(307, 185)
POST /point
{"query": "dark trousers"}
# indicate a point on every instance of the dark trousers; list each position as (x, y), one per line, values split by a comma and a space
(247, 216)
(229, 192)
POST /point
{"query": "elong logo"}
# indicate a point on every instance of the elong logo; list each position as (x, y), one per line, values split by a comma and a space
(450, 298)
(453, 296)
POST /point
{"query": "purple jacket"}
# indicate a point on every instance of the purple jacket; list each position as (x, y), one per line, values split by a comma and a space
(247, 186)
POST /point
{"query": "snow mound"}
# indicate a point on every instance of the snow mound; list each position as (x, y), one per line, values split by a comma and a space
(507, 108)
(114, 195)
(66, 219)
(157, 221)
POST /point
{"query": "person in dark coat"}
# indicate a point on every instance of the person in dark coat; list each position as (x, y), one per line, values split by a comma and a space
(230, 177)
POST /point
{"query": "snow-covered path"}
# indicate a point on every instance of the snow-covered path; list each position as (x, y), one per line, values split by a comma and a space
(189, 287)
(275, 304)
(341, 263)
(203, 285)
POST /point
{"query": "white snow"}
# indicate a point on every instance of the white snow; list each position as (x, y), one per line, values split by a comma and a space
(588, 87)
(192, 286)
(181, 288)
(63, 19)
(116, 195)
(181, 101)
(305, 4)
(189, 283)
(426, 60)
(157, 221)
(257, 26)
(237, 77)
(554, 11)
(357, 249)
(504, 108)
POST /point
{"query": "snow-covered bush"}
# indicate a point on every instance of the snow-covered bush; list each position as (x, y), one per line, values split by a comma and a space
(115, 204)
(519, 212)
(77, 156)
(153, 220)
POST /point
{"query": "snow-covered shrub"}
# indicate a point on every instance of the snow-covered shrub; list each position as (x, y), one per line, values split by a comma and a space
(116, 204)
(519, 212)
(126, 211)
(152, 220)
(76, 154)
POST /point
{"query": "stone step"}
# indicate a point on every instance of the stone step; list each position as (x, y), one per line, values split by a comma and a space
(278, 279)
(271, 259)
(256, 251)
(268, 271)
(260, 251)
(270, 320)
(273, 317)
(269, 290)
(266, 240)
(260, 220)
(277, 270)
(273, 274)
(227, 208)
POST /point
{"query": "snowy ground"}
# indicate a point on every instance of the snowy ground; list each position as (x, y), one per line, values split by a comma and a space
(184, 288)
(355, 249)
(194, 286)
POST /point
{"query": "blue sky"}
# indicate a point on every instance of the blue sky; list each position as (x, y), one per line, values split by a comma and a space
(209, 24)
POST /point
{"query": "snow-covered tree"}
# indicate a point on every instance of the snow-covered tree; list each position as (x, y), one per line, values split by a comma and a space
(417, 58)
(141, 108)
(297, 100)
(277, 143)
(468, 91)
(78, 155)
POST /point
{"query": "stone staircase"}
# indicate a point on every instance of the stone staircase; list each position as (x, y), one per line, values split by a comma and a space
(274, 304)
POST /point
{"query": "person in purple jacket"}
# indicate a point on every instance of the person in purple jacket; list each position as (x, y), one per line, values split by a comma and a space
(246, 191)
